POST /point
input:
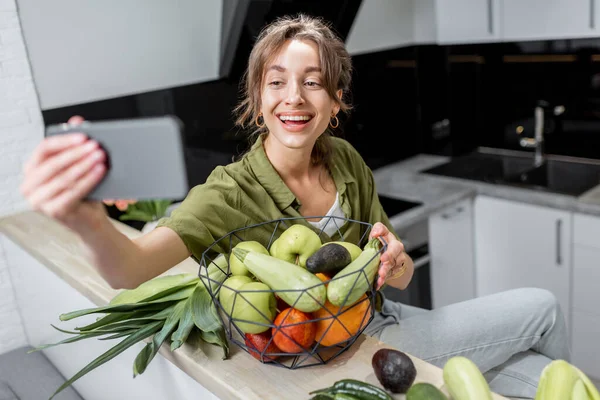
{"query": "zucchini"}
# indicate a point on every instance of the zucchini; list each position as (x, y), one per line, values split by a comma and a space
(592, 390)
(579, 391)
(556, 381)
(425, 391)
(464, 380)
(348, 285)
(293, 284)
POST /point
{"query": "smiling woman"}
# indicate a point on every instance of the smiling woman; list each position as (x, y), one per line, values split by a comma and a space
(298, 76)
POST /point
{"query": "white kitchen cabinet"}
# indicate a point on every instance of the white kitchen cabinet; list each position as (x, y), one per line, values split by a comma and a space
(381, 25)
(548, 19)
(452, 268)
(586, 297)
(522, 245)
(467, 21)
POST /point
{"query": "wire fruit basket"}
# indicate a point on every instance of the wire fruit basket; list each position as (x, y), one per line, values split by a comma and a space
(258, 320)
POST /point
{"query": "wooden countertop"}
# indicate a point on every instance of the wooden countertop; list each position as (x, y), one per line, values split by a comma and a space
(238, 377)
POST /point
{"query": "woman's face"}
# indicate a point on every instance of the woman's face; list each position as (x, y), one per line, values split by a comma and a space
(296, 107)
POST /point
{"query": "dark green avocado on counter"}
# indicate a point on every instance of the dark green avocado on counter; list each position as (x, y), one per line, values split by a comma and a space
(395, 370)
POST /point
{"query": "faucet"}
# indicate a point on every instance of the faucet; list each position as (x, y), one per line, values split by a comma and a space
(537, 142)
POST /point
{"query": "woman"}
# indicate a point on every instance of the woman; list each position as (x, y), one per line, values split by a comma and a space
(298, 74)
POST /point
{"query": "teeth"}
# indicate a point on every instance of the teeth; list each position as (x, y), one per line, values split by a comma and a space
(294, 117)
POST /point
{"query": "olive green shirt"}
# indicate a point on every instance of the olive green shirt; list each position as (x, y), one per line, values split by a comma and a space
(250, 192)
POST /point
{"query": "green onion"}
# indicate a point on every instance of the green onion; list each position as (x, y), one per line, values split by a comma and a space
(166, 308)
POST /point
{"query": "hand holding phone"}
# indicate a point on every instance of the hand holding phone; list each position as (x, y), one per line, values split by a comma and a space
(80, 160)
(61, 171)
(144, 157)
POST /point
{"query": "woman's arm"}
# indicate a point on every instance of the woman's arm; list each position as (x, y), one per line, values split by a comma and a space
(126, 263)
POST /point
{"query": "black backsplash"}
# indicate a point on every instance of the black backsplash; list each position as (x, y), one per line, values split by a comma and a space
(420, 99)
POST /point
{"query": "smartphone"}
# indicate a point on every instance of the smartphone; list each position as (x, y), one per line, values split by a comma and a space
(145, 157)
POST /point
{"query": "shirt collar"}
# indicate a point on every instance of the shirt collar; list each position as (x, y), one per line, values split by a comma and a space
(274, 185)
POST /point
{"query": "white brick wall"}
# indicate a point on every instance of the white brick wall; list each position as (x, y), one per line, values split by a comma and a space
(21, 128)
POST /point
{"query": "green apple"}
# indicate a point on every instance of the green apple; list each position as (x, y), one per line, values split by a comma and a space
(256, 304)
(236, 266)
(273, 249)
(229, 288)
(353, 249)
(296, 244)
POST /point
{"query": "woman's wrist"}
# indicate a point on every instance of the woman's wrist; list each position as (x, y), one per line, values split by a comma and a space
(90, 222)
(402, 276)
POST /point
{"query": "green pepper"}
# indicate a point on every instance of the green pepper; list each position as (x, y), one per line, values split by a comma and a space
(322, 396)
(343, 396)
(355, 388)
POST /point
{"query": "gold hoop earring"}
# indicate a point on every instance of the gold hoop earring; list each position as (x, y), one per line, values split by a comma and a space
(256, 121)
(337, 122)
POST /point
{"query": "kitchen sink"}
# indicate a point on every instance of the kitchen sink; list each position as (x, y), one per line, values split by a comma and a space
(558, 174)
(484, 166)
(572, 178)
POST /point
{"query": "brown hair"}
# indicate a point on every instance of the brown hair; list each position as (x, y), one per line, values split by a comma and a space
(336, 68)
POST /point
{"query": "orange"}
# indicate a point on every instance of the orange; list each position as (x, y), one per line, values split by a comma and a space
(351, 319)
(294, 331)
(323, 277)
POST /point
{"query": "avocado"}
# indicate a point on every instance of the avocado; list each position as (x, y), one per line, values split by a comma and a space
(351, 247)
(330, 258)
(394, 369)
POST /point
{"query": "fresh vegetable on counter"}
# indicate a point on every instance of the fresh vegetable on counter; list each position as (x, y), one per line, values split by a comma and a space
(394, 370)
(464, 380)
(425, 391)
(354, 388)
(562, 380)
(166, 308)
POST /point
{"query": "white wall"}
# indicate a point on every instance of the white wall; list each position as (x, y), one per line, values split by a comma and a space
(20, 130)
(84, 51)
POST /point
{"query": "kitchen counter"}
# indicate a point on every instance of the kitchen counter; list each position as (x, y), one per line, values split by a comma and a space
(240, 376)
(405, 181)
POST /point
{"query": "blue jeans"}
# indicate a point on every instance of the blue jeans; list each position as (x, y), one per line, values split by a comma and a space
(511, 336)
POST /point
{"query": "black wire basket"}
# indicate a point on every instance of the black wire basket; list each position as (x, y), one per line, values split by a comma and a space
(330, 330)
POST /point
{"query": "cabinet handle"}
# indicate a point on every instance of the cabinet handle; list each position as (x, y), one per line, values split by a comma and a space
(421, 261)
(592, 12)
(491, 16)
(558, 241)
(449, 215)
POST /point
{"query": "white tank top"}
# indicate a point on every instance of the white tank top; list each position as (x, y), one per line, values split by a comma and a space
(333, 224)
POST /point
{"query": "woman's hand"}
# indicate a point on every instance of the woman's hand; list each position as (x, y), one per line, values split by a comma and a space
(395, 263)
(62, 170)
